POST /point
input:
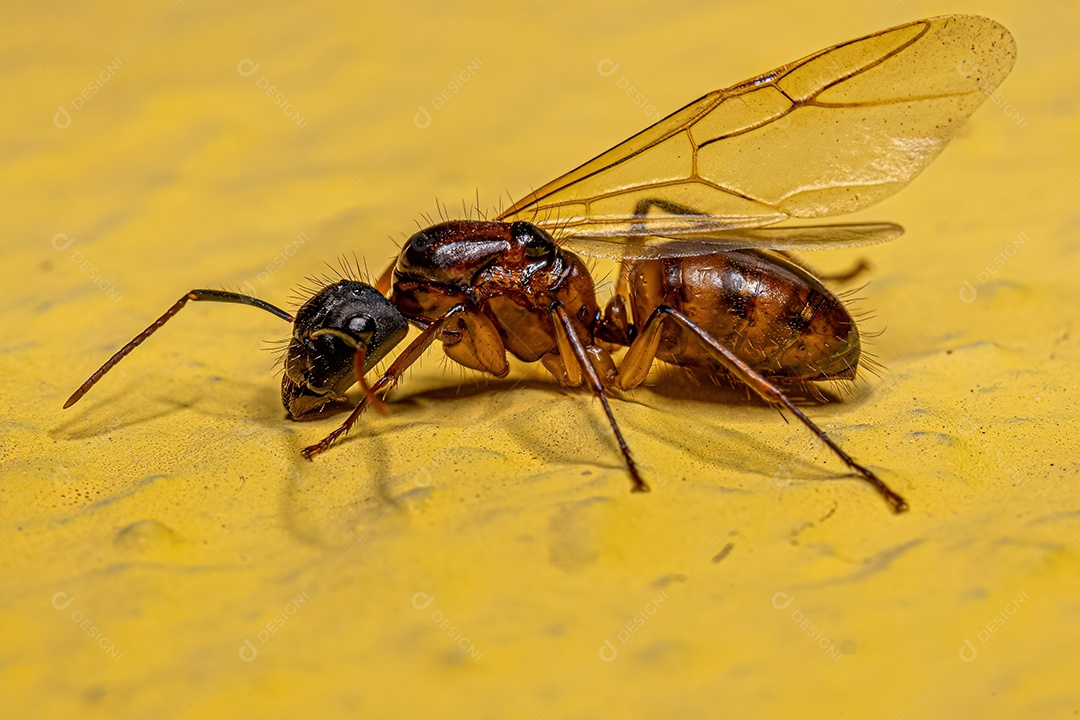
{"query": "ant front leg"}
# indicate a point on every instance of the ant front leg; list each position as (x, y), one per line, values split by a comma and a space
(390, 378)
(642, 352)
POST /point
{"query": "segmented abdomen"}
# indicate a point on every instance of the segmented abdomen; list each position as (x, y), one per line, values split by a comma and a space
(772, 313)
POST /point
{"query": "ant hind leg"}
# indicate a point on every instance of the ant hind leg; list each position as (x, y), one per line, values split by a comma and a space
(642, 352)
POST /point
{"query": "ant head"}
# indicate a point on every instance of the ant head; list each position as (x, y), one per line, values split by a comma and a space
(329, 330)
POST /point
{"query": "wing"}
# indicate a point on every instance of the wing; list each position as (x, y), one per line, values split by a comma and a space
(832, 133)
(806, 237)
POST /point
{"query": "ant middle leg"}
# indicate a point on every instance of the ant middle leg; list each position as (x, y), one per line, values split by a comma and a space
(586, 368)
(639, 358)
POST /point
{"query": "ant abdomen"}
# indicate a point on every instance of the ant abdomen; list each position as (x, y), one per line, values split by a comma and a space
(777, 317)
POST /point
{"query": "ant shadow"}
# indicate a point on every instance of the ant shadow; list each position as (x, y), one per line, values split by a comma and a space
(709, 449)
(323, 498)
(694, 384)
(133, 407)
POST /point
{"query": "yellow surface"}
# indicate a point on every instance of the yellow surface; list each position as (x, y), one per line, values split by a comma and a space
(477, 553)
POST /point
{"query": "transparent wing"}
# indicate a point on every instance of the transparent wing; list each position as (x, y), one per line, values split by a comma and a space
(807, 237)
(832, 133)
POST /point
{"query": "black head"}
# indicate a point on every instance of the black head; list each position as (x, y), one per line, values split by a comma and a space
(320, 361)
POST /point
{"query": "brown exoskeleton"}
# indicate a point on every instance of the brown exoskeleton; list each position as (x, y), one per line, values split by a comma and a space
(686, 206)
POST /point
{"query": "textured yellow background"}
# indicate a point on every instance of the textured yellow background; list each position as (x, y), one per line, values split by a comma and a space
(477, 553)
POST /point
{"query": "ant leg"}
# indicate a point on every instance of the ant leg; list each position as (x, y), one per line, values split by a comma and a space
(568, 356)
(593, 378)
(848, 275)
(386, 280)
(851, 273)
(642, 352)
(194, 295)
(615, 326)
(390, 378)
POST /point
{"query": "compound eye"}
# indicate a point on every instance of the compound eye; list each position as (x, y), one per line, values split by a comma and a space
(421, 241)
(362, 326)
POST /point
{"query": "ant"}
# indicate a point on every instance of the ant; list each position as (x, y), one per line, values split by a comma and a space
(704, 282)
